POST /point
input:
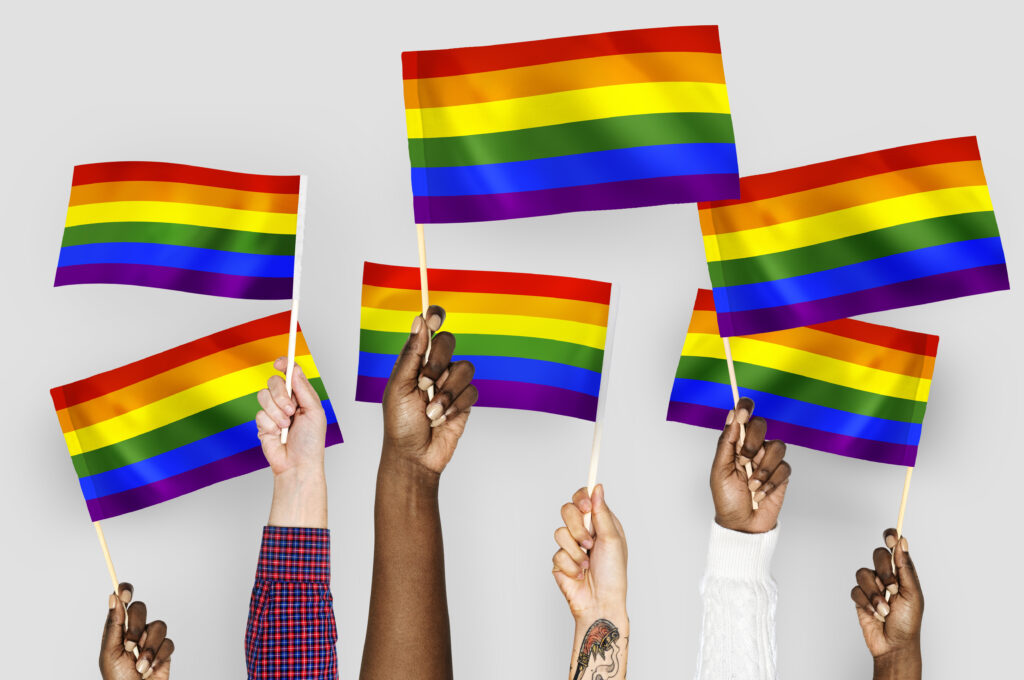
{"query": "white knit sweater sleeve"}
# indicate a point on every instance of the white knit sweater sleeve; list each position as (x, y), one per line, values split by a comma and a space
(737, 640)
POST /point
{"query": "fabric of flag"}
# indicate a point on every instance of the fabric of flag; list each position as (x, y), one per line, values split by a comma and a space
(177, 421)
(589, 122)
(536, 341)
(847, 387)
(181, 227)
(862, 234)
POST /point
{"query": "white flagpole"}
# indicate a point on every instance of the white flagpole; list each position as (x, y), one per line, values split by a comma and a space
(602, 396)
(293, 324)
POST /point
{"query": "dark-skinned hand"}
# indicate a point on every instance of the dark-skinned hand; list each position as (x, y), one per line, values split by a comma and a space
(419, 430)
(730, 488)
(117, 649)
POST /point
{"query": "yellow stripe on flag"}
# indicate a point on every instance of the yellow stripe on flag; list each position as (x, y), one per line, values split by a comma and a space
(181, 213)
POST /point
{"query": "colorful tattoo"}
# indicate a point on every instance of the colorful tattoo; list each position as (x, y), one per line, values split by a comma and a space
(601, 639)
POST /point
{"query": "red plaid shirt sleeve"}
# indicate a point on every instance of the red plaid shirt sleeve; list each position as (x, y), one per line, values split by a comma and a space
(291, 631)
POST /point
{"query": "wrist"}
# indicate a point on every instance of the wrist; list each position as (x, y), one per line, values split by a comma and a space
(300, 497)
(615, 613)
(399, 469)
(900, 664)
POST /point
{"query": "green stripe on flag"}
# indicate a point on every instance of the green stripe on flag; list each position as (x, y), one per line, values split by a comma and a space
(171, 234)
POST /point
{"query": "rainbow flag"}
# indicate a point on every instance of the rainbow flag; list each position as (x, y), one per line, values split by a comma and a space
(589, 122)
(181, 227)
(878, 231)
(848, 387)
(177, 421)
(536, 341)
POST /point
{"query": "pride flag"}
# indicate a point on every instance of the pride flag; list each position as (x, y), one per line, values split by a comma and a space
(589, 122)
(536, 341)
(848, 387)
(862, 234)
(177, 421)
(181, 227)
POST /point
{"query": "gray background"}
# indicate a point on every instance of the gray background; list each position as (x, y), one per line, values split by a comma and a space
(315, 88)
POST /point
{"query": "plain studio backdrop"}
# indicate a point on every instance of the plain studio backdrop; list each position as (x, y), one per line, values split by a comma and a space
(316, 88)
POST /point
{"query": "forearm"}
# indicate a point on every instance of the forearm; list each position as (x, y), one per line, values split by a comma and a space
(601, 645)
(300, 498)
(902, 665)
(407, 633)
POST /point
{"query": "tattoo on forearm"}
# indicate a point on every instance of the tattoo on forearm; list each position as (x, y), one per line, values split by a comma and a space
(601, 640)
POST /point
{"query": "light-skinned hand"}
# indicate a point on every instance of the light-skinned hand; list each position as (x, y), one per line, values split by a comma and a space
(117, 648)
(730, 488)
(419, 431)
(302, 413)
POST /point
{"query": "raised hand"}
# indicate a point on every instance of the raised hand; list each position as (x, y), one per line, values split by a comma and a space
(594, 585)
(418, 430)
(117, 648)
(730, 488)
(892, 629)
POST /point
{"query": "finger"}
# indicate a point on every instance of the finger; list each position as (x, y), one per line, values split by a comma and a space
(906, 572)
(604, 520)
(573, 520)
(136, 624)
(864, 604)
(773, 452)
(462, 404)
(567, 543)
(407, 366)
(756, 429)
(305, 395)
(779, 477)
(890, 537)
(125, 591)
(435, 318)
(163, 655)
(113, 630)
(265, 425)
(725, 455)
(566, 565)
(279, 391)
(866, 581)
(581, 499)
(440, 358)
(460, 375)
(270, 407)
(156, 631)
(883, 568)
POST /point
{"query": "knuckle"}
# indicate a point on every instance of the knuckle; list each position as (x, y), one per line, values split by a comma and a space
(158, 626)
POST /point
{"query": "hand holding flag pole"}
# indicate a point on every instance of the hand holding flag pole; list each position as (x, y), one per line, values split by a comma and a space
(293, 324)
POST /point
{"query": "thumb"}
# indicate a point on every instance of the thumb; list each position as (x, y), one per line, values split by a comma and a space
(112, 645)
(405, 374)
(604, 520)
(725, 455)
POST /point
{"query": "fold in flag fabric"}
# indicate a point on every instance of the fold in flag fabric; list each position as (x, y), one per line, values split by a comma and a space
(181, 227)
(847, 387)
(882, 230)
(536, 341)
(589, 122)
(177, 421)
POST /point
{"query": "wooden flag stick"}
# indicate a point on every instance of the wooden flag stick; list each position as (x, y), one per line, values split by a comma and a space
(424, 293)
(293, 323)
(903, 503)
(602, 397)
(106, 556)
(736, 400)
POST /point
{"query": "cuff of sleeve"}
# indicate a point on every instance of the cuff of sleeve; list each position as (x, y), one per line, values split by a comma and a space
(295, 554)
(736, 555)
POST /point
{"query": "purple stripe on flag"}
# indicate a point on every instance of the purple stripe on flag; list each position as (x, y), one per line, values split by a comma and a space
(187, 482)
(605, 196)
(173, 278)
(506, 394)
(852, 447)
(904, 294)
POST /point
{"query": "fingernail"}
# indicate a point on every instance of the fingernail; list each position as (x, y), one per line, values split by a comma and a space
(882, 609)
(904, 545)
(145, 676)
(129, 645)
(425, 383)
(417, 324)
(731, 417)
(434, 322)
(759, 496)
(112, 601)
(742, 416)
(289, 408)
(439, 421)
(443, 379)
(126, 596)
(890, 541)
(893, 588)
(435, 410)
(753, 484)
(587, 543)
(142, 666)
(879, 617)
